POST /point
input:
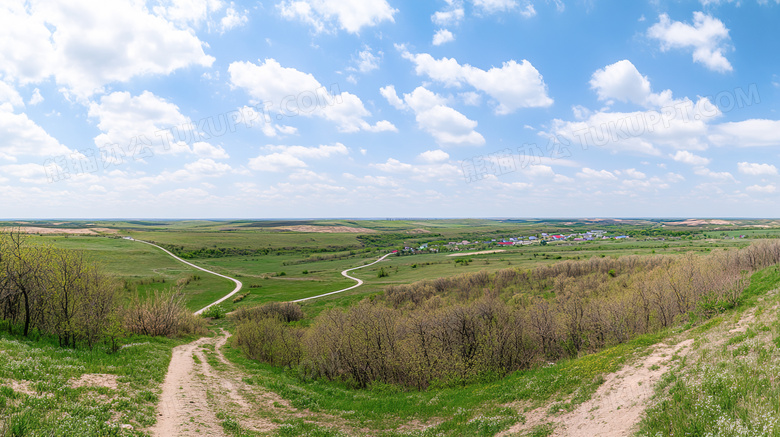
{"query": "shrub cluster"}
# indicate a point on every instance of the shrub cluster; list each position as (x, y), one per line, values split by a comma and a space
(452, 330)
(284, 311)
(263, 333)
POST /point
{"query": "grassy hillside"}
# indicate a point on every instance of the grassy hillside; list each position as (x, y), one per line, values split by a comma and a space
(716, 387)
(277, 265)
(49, 390)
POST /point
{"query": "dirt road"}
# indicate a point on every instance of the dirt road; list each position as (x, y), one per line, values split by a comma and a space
(224, 298)
(344, 273)
(194, 391)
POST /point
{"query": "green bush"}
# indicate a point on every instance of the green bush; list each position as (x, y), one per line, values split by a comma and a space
(270, 340)
(214, 312)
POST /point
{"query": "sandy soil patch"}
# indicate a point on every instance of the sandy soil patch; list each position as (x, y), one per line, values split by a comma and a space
(25, 387)
(719, 222)
(418, 231)
(695, 222)
(95, 380)
(478, 253)
(617, 405)
(325, 229)
(742, 325)
(70, 231)
(689, 222)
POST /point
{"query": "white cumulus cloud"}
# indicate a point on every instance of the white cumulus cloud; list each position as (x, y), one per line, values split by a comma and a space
(589, 173)
(708, 38)
(442, 36)
(431, 156)
(755, 169)
(23, 137)
(292, 157)
(76, 43)
(687, 157)
(765, 189)
(621, 81)
(514, 85)
(433, 115)
(351, 15)
(292, 92)
(747, 133)
(493, 6)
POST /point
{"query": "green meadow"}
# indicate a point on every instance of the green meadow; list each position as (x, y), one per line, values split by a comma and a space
(280, 265)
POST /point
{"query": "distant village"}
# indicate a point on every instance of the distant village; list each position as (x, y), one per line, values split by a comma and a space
(542, 238)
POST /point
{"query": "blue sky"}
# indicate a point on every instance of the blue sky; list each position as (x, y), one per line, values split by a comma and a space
(386, 108)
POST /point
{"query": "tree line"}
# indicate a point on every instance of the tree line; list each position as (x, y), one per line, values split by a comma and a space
(221, 252)
(456, 329)
(60, 292)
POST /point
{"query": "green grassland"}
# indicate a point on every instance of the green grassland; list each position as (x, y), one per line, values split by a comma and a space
(268, 253)
(282, 266)
(144, 268)
(46, 400)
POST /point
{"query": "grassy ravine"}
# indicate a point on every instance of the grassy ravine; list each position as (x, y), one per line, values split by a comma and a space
(728, 385)
(489, 407)
(478, 409)
(48, 405)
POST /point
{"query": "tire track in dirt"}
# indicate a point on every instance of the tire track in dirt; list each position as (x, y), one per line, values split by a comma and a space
(616, 407)
(183, 409)
(618, 404)
(193, 391)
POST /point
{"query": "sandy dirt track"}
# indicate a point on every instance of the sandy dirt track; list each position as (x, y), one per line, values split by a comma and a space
(194, 390)
(616, 407)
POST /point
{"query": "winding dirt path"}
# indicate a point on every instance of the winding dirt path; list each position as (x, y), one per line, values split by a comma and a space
(239, 284)
(236, 281)
(344, 273)
(194, 391)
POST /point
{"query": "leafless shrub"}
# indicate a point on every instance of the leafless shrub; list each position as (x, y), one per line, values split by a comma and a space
(285, 311)
(162, 313)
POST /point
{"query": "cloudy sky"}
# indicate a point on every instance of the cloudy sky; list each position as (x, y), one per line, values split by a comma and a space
(389, 108)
